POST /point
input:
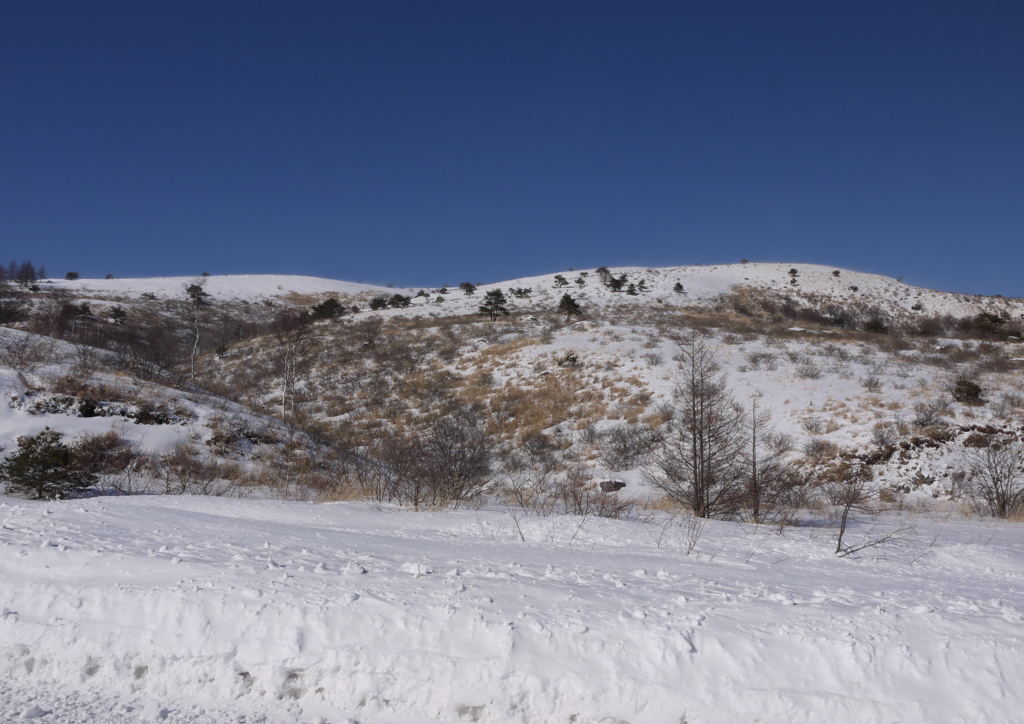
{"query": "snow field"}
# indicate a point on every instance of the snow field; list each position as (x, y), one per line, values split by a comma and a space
(298, 612)
(221, 287)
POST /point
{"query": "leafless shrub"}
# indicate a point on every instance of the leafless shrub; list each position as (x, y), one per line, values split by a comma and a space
(525, 489)
(931, 413)
(993, 478)
(578, 496)
(755, 359)
(186, 470)
(446, 467)
(628, 446)
(837, 352)
(818, 450)
(845, 486)
(692, 529)
(25, 352)
(808, 372)
(871, 383)
(652, 358)
(1008, 404)
(106, 453)
(813, 425)
(884, 434)
(86, 361)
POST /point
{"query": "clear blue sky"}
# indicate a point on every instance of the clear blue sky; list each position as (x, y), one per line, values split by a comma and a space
(425, 142)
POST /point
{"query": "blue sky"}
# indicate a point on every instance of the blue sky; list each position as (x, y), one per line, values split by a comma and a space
(422, 143)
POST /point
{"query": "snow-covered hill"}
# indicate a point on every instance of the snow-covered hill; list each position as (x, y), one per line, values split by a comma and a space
(221, 287)
(701, 285)
(251, 608)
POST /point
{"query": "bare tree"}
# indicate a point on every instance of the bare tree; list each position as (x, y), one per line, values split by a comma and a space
(701, 462)
(455, 458)
(24, 351)
(770, 497)
(196, 305)
(847, 487)
(994, 478)
(295, 341)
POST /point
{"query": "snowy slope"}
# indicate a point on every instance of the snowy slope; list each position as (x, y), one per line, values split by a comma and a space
(701, 284)
(225, 287)
(198, 609)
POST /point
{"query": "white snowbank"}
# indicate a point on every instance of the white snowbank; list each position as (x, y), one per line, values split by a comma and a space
(174, 606)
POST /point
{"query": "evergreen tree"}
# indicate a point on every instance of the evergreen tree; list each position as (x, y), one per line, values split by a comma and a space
(678, 288)
(327, 309)
(468, 288)
(604, 274)
(494, 304)
(196, 294)
(45, 468)
(570, 306)
(560, 281)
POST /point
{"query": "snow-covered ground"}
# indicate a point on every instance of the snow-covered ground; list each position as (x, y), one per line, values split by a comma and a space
(700, 284)
(192, 610)
(220, 287)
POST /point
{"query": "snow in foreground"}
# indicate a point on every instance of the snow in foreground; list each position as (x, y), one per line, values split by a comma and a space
(211, 610)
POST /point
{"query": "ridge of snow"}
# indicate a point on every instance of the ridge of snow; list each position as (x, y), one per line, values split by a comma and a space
(221, 286)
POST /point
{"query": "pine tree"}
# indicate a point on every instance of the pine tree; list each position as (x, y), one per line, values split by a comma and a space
(678, 288)
(327, 309)
(560, 281)
(494, 304)
(570, 306)
(468, 288)
(45, 468)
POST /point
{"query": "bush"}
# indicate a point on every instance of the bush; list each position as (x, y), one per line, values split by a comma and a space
(628, 446)
(817, 450)
(994, 478)
(876, 326)
(45, 468)
(327, 309)
(967, 391)
(930, 414)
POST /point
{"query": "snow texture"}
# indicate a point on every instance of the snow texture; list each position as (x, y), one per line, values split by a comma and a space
(185, 609)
